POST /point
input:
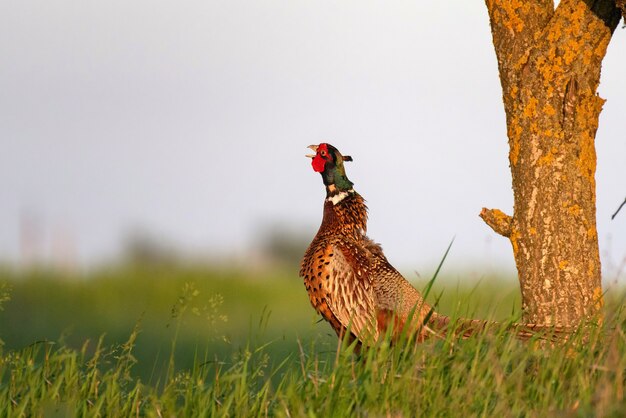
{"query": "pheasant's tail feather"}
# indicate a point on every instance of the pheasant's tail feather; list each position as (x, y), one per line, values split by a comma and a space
(544, 332)
(465, 328)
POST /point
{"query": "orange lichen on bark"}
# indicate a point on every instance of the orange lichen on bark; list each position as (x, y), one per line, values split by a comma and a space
(592, 234)
(598, 298)
(587, 55)
(514, 238)
(600, 49)
(512, 21)
(548, 109)
(574, 210)
(558, 56)
(555, 33)
(515, 134)
(534, 127)
(571, 51)
(577, 16)
(499, 221)
(587, 157)
(548, 157)
(531, 107)
(500, 216)
(520, 63)
(550, 67)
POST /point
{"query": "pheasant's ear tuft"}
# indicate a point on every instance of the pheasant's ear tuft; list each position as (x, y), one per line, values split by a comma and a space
(347, 158)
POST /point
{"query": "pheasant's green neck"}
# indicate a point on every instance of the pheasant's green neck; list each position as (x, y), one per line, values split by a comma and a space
(337, 182)
(342, 183)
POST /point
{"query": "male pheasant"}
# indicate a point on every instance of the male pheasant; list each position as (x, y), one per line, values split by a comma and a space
(348, 278)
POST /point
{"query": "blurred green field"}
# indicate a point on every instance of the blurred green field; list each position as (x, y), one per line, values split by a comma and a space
(223, 309)
(206, 309)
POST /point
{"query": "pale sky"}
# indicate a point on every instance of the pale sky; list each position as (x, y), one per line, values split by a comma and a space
(191, 119)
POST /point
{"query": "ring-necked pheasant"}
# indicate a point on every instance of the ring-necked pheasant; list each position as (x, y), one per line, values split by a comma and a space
(347, 276)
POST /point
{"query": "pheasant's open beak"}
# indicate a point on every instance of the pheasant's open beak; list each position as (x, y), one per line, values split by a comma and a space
(314, 148)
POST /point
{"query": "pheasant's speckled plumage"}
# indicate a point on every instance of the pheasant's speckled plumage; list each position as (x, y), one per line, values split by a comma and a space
(348, 278)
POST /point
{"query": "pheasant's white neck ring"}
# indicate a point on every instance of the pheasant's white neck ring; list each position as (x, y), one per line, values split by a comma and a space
(338, 197)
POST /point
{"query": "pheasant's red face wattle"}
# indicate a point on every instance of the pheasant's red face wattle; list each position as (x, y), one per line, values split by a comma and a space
(318, 164)
(321, 156)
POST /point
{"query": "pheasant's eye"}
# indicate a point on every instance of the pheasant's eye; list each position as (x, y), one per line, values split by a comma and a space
(323, 153)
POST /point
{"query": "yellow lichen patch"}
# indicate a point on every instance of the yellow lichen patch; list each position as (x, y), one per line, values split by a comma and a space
(560, 134)
(548, 109)
(587, 120)
(548, 158)
(598, 297)
(574, 210)
(507, 14)
(577, 16)
(587, 113)
(592, 234)
(534, 127)
(512, 21)
(573, 35)
(523, 59)
(532, 230)
(600, 49)
(555, 33)
(587, 157)
(547, 133)
(515, 133)
(563, 264)
(540, 62)
(587, 54)
(590, 269)
(572, 48)
(531, 107)
(513, 92)
(546, 66)
(500, 217)
(557, 66)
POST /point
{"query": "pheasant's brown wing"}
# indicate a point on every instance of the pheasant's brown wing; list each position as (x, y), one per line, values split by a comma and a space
(341, 290)
(352, 292)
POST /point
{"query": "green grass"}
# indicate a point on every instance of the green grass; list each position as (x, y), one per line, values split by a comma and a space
(167, 351)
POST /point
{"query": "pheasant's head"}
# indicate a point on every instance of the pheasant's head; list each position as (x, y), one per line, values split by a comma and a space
(328, 161)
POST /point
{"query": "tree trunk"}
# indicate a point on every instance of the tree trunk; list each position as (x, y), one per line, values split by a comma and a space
(549, 62)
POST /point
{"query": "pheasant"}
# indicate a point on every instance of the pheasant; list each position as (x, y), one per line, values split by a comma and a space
(348, 278)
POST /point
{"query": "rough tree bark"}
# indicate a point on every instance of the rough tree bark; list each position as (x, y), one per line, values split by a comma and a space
(549, 62)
